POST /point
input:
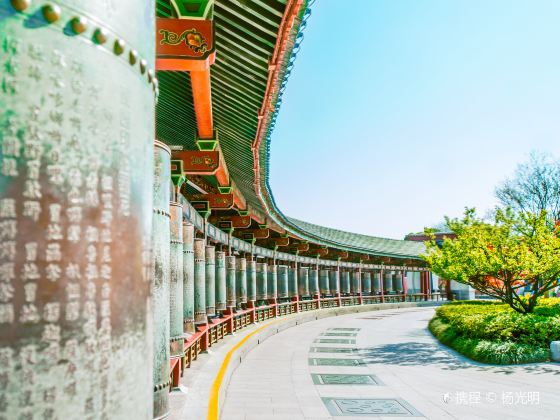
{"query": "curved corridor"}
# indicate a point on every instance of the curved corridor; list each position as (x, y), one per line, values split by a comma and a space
(382, 364)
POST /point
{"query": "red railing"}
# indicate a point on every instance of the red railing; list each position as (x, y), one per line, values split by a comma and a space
(216, 329)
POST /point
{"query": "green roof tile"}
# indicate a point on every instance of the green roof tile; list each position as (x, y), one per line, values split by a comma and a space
(245, 37)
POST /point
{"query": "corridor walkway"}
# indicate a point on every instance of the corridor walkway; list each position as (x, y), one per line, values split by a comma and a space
(382, 365)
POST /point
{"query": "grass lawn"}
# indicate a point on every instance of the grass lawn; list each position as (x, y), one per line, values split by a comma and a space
(491, 332)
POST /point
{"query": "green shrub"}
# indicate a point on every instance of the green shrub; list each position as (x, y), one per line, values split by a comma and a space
(491, 332)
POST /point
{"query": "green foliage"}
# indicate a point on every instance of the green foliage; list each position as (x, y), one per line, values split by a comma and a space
(492, 332)
(502, 258)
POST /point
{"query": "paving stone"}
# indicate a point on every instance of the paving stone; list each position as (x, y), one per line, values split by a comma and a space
(362, 407)
(339, 334)
(412, 365)
(335, 341)
(335, 362)
(344, 379)
(343, 329)
(331, 350)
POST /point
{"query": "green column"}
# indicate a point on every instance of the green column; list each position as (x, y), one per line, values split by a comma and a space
(230, 282)
(176, 280)
(272, 286)
(356, 282)
(324, 281)
(345, 282)
(241, 281)
(314, 282)
(161, 247)
(220, 280)
(388, 281)
(283, 291)
(376, 283)
(188, 277)
(76, 173)
(200, 280)
(398, 281)
(251, 280)
(366, 283)
(293, 281)
(262, 278)
(303, 281)
(334, 281)
(210, 280)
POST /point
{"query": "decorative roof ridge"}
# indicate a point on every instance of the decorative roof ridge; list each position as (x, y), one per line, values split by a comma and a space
(346, 231)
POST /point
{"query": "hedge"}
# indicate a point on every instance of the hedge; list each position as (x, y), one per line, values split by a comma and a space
(491, 332)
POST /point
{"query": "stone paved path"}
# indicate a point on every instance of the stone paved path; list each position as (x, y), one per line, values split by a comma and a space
(396, 370)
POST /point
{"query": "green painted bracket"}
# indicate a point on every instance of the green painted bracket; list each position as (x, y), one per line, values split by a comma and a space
(208, 145)
(194, 9)
(177, 173)
(225, 190)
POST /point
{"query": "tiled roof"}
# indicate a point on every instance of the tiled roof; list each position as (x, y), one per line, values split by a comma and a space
(246, 34)
(369, 244)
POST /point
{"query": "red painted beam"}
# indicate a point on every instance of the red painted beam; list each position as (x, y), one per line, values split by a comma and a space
(215, 201)
(239, 222)
(199, 162)
(258, 233)
(202, 99)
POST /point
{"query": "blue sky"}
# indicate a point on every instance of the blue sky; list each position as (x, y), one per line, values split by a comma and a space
(399, 112)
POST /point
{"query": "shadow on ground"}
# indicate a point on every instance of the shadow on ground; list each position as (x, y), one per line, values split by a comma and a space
(418, 353)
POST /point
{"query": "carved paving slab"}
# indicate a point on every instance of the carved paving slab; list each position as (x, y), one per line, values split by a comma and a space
(335, 340)
(338, 379)
(335, 362)
(361, 407)
(343, 329)
(331, 350)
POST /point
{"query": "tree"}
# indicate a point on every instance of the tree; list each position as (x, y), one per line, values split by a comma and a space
(517, 252)
(535, 187)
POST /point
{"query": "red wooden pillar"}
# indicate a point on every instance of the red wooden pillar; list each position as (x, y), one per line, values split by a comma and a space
(360, 299)
(230, 322)
(204, 337)
(425, 284)
(405, 284)
(381, 286)
(448, 293)
(338, 289)
(251, 308)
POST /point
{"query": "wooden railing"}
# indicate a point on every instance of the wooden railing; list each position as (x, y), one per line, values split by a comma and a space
(216, 329)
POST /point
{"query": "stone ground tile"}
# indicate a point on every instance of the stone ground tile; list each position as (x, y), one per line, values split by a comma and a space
(343, 329)
(340, 369)
(356, 391)
(288, 411)
(320, 355)
(259, 416)
(341, 379)
(334, 341)
(406, 358)
(370, 407)
(315, 411)
(333, 350)
(335, 361)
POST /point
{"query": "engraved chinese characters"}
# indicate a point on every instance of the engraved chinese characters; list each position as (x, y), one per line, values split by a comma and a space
(188, 277)
(161, 242)
(176, 280)
(75, 159)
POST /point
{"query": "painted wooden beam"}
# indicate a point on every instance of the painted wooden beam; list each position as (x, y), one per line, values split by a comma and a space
(215, 201)
(238, 222)
(257, 233)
